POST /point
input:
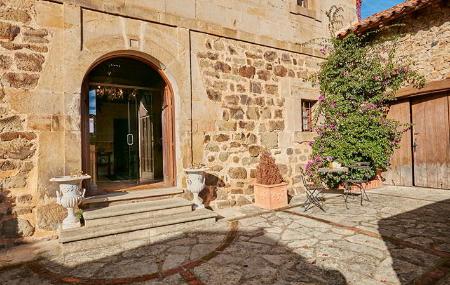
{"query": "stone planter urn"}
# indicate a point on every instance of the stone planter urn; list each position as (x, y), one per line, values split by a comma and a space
(195, 184)
(271, 197)
(69, 196)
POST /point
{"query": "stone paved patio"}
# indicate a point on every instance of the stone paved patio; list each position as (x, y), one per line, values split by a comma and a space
(401, 236)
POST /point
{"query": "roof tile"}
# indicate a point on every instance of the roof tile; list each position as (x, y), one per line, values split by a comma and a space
(383, 17)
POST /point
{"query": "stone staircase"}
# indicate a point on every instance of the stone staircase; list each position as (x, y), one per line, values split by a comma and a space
(113, 219)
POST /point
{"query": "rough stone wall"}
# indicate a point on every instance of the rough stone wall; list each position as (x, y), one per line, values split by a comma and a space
(23, 53)
(424, 41)
(253, 88)
(246, 95)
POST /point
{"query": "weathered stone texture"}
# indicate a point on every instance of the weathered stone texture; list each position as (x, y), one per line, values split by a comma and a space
(29, 62)
(252, 116)
(8, 31)
(49, 216)
(23, 49)
(21, 80)
(424, 41)
(45, 52)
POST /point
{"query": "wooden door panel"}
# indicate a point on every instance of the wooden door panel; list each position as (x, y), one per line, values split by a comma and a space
(431, 141)
(400, 170)
(168, 137)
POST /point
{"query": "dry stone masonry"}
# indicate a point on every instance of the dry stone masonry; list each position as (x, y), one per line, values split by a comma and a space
(424, 41)
(23, 51)
(247, 81)
(237, 71)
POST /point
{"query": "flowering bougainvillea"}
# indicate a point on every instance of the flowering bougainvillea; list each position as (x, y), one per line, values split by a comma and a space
(357, 84)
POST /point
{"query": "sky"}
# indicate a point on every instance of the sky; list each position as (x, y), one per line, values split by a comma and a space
(370, 7)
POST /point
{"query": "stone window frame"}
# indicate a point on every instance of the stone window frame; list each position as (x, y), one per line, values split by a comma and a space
(310, 10)
(303, 3)
(310, 117)
(294, 91)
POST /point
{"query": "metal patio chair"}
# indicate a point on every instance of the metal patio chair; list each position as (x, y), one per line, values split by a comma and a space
(361, 184)
(313, 192)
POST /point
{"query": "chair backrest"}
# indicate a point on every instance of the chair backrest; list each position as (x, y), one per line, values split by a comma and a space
(303, 173)
(306, 179)
(359, 166)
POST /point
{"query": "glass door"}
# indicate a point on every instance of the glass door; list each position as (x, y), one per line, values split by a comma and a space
(125, 136)
(132, 137)
(146, 142)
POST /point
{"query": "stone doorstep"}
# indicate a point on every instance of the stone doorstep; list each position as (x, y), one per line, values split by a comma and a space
(152, 224)
(131, 240)
(136, 211)
(136, 195)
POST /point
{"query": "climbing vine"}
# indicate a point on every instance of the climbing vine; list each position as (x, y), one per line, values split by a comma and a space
(358, 81)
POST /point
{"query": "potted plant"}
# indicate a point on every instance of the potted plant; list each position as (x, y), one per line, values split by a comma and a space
(270, 188)
(196, 182)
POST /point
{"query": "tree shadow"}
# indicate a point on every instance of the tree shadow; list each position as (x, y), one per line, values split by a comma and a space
(213, 256)
(418, 240)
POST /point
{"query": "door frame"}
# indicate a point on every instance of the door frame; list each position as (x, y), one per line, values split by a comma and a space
(169, 160)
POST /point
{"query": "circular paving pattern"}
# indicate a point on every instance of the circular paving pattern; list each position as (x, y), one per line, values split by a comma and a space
(176, 255)
(392, 240)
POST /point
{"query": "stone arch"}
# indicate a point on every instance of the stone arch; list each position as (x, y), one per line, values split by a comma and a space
(170, 87)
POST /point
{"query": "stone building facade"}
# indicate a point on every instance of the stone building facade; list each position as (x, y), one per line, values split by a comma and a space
(237, 71)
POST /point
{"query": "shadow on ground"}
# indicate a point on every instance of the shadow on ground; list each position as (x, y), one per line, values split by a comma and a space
(214, 256)
(419, 238)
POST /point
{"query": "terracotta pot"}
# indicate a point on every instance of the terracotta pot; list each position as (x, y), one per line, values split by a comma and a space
(376, 182)
(271, 196)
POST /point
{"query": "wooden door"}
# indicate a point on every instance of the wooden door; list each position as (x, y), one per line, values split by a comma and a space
(168, 137)
(431, 141)
(401, 167)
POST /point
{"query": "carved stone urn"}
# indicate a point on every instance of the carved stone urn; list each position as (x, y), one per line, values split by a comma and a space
(69, 195)
(195, 184)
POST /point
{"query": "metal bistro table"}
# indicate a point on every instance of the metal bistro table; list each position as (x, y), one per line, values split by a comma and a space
(361, 183)
(337, 170)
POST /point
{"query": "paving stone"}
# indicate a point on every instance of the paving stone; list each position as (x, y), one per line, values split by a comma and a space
(275, 259)
(267, 238)
(367, 241)
(309, 242)
(278, 248)
(327, 236)
(174, 260)
(293, 235)
(219, 275)
(358, 248)
(200, 250)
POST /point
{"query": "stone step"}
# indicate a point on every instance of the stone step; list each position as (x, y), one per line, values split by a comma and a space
(136, 211)
(138, 229)
(125, 197)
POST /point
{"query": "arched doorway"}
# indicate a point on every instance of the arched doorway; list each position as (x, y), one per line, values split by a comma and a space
(127, 126)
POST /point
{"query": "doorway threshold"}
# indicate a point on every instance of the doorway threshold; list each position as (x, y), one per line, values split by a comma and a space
(132, 195)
